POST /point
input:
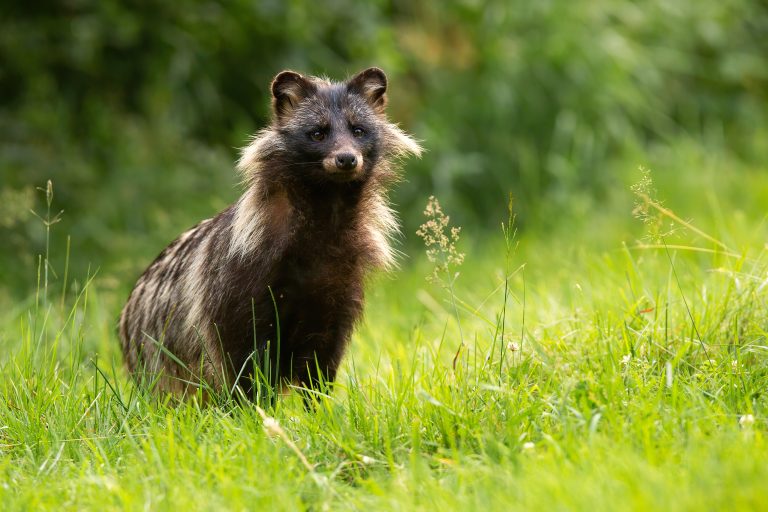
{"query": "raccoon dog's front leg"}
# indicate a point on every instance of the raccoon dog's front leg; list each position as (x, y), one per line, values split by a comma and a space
(315, 369)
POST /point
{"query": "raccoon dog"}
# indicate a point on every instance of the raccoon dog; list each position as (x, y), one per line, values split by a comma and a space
(275, 281)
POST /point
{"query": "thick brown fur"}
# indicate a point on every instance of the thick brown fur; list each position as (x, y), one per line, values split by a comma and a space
(278, 277)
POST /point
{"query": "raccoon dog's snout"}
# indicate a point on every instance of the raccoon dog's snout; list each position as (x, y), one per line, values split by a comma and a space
(343, 164)
(346, 161)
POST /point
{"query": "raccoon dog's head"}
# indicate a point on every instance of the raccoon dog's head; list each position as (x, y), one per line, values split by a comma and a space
(332, 129)
(327, 131)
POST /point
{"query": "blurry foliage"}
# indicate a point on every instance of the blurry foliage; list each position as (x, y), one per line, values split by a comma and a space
(135, 110)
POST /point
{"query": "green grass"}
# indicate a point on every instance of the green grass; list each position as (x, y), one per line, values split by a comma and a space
(594, 374)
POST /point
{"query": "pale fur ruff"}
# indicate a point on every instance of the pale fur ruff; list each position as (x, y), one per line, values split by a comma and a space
(251, 218)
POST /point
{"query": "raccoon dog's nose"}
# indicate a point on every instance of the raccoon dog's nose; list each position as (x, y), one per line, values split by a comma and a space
(346, 161)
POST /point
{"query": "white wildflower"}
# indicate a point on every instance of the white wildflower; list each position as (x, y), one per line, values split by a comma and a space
(272, 427)
(746, 421)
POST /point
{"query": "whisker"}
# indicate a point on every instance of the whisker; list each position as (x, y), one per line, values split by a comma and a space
(302, 164)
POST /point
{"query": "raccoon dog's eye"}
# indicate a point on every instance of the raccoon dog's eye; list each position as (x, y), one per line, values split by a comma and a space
(317, 135)
(358, 132)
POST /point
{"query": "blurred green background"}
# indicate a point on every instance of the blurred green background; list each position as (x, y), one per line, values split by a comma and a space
(135, 110)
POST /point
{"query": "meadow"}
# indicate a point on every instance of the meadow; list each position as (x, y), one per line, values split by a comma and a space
(615, 361)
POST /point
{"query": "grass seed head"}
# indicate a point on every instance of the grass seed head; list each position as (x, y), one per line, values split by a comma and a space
(440, 240)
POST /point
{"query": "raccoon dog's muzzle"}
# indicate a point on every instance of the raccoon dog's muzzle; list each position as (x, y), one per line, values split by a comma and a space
(346, 164)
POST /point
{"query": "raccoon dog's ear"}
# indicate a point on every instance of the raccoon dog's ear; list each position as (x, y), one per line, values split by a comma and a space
(288, 89)
(371, 84)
